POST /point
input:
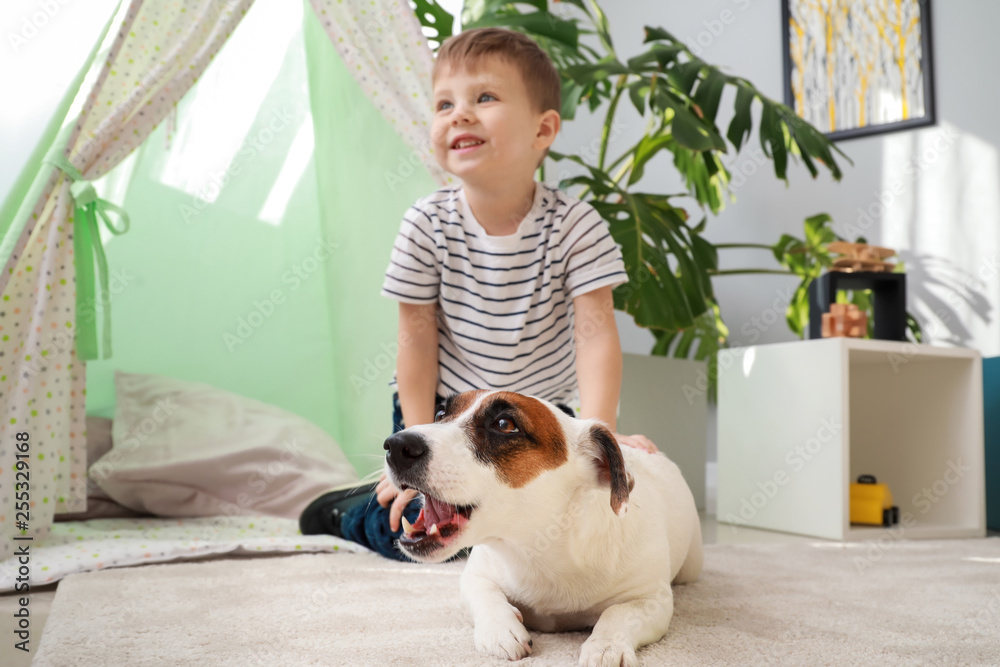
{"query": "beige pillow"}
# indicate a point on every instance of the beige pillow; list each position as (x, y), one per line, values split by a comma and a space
(188, 449)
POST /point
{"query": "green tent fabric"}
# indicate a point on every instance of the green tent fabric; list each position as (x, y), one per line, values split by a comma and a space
(367, 179)
(286, 310)
(155, 55)
(262, 217)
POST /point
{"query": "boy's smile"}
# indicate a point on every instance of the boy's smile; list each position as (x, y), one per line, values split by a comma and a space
(485, 127)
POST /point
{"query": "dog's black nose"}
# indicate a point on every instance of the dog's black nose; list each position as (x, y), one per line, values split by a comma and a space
(405, 449)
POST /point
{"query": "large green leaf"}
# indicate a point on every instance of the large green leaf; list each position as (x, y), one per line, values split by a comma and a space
(655, 296)
(689, 130)
(638, 91)
(709, 93)
(601, 24)
(742, 122)
(661, 54)
(705, 253)
(538, 23)
(652, 34)
(586, 74)
(435, 18)
(692, 133)
(684, 75)
(571, 94)
(708, 189)
(473, 10)
(772, 140)
(648, 147)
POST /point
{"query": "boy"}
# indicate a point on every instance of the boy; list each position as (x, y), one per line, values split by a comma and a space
(502, 282)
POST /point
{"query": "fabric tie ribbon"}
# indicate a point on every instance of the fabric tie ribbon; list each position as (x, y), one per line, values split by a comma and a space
(86, 249)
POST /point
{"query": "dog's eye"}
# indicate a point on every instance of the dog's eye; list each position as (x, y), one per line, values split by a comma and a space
(505, 425)
(439, 415)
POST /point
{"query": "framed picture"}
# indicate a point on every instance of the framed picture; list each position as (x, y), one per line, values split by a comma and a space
(859, 67)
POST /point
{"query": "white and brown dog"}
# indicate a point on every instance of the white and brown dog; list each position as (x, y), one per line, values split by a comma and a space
(530, 486)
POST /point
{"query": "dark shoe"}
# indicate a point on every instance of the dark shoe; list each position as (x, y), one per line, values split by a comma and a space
(322, 516)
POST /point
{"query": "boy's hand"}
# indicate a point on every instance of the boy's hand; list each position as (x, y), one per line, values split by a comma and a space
(637, 441)
(385, 492)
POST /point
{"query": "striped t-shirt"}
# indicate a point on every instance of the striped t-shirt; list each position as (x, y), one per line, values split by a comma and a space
(505, 303)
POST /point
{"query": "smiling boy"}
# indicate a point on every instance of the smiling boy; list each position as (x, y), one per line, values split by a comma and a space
(502, 282)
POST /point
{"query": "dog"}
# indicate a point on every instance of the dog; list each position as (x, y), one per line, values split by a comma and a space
(570, 529)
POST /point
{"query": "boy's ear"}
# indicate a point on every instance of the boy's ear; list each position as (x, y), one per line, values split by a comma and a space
(548, 128)
(609, 465)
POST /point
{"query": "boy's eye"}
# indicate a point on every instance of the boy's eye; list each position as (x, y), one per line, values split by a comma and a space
(486, 95)
(443, 105)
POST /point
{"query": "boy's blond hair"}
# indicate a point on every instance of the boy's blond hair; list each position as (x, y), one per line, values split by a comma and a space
(467, 49)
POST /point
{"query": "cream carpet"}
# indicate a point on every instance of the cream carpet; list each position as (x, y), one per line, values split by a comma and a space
(907, 603)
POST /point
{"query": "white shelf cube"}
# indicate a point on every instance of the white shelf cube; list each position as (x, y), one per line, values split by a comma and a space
(798, 422)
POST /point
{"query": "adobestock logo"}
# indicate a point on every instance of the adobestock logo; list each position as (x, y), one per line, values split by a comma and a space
(264, 309)
(33, 23)
(796, 458)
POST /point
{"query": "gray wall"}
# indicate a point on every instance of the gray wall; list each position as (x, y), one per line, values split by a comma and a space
(941, 185)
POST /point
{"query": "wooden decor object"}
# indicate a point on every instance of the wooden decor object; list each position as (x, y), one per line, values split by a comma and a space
(844, 319)
(860, 257)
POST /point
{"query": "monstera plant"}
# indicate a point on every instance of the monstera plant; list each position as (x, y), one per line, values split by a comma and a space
(669, 262)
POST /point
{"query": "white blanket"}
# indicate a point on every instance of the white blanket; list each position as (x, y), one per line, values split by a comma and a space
(80, 546)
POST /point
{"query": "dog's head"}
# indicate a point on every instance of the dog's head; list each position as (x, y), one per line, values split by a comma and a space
(492, 464)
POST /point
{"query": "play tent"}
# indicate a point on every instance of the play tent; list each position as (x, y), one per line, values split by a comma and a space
(219, 188)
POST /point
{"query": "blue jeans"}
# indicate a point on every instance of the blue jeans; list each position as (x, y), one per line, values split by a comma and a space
(368, 523)
(397, 411)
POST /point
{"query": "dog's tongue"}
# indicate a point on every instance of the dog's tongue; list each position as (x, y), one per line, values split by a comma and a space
(438, 521)
(437, 512)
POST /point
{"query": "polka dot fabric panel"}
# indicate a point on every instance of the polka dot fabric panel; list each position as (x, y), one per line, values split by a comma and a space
(158, 53)
(41, 386)
(384, 48)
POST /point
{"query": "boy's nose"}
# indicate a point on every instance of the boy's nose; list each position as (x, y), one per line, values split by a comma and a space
(461, 115)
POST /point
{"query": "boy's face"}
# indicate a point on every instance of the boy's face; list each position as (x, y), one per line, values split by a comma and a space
(490, 108)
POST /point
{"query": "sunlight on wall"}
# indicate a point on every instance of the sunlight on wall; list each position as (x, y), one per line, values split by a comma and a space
(243, 70)
(940, 199)
(42, 50)
(888, 106)
(291, 171)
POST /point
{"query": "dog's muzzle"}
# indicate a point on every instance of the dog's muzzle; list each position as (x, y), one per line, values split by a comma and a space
(439, 522)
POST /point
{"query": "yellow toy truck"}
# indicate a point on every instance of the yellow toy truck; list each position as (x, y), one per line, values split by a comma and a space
(871, 503)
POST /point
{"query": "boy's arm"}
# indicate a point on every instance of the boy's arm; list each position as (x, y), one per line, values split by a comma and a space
(598, 355)
(599, 362)
(417, 362)
(416, 381)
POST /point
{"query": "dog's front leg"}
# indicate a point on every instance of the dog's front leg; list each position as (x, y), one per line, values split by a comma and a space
(624, 627)
(499, 625)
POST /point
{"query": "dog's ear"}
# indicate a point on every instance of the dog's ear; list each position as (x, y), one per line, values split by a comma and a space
(611, 470)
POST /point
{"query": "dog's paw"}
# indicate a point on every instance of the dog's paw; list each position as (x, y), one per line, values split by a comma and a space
(502, 634)
(598, 652)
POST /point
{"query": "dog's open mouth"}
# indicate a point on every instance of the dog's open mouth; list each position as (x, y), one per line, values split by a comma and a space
(438, 524)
